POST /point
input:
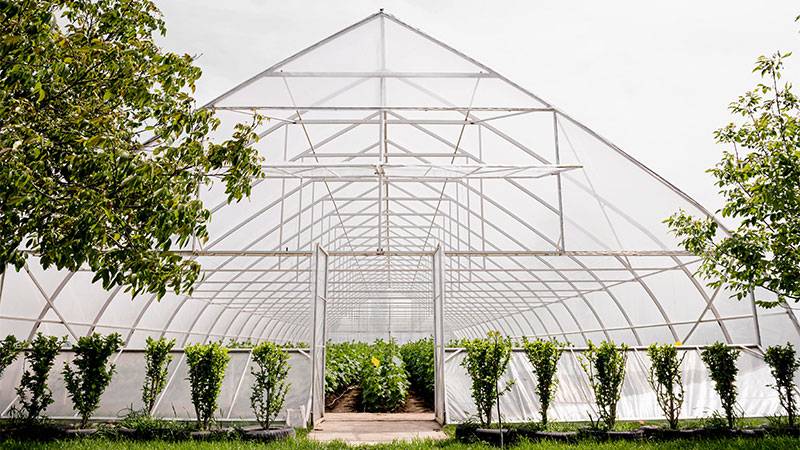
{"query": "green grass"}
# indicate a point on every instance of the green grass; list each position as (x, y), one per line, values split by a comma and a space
(302, 443)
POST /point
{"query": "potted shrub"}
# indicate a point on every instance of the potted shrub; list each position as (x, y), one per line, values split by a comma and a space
(157, 358)
(269, 370)
(605, 367)
(721, 362)
(9, 349)
(34, 394)
(666, 380)
(91, 374)
(486, 361)
(207, 363)
(783, 365)
(543, 356)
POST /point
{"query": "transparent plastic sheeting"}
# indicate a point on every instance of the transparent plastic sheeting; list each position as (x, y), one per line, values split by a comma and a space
(574, 399)
(124, 393)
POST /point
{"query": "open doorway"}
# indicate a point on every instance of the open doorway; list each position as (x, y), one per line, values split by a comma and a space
(380, 335)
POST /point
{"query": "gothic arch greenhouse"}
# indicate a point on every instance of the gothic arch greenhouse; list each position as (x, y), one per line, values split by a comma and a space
(411, 191)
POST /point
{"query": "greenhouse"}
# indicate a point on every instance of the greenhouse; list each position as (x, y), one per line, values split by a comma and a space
(410, 191)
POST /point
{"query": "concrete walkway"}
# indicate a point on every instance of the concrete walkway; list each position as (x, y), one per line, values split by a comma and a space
(375, 428)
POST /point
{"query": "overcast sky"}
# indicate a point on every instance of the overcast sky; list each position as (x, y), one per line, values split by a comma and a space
(653, 78)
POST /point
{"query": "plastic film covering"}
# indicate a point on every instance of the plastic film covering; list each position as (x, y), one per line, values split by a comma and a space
(123, 395)
(574, 398)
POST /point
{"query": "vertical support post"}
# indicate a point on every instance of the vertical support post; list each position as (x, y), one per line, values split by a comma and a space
(318, 334)
(561, 243)
(440, 397)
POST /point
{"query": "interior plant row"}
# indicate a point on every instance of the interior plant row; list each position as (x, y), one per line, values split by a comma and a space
(90, 371)
(383, 372)
(486, 360)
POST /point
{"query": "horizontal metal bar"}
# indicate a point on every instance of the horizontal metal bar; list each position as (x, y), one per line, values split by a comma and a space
(448, 253)
(459, 109)
(377, 74)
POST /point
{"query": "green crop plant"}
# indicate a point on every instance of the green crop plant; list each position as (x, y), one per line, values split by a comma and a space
(384, 382)
(418, 360)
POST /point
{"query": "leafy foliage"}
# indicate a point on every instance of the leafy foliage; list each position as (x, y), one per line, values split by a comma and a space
(418, 360)
(34, 394)
(384, 382)
(156, 362)
(207, 363)
(783, 363)
(92, 373)
(721, 362)
(270, 386)
(84, 85)
(758, 180)
(605, 367)
(9, 349)
(486, 360)
(544, 356)
(665, 378)
(343, 364)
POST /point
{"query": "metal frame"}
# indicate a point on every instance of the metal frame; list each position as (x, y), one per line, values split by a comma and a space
(381, 185)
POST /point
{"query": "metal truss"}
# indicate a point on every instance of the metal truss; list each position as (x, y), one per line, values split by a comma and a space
(383, 143)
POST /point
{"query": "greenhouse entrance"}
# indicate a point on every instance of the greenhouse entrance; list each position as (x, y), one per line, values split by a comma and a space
(404, 304)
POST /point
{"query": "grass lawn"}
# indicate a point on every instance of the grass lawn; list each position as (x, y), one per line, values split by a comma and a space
(303, 443)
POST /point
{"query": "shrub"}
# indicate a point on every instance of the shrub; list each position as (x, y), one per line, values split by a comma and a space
(543, 356)
(665, 378)
(9, 349)
(721, 362)
(207, 363)
(34, 394)
(156, 362)
(270, 386)
(418, 359)
(486, 361)
(92, 373)
(605, 367)
(384, 382)
(783, 364)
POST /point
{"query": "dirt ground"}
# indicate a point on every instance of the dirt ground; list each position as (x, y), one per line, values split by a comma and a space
(348, 403)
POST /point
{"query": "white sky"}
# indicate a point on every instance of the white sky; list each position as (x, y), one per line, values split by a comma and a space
(655, 79)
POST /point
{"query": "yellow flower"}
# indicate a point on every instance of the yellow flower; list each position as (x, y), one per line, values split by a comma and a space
(376, 362)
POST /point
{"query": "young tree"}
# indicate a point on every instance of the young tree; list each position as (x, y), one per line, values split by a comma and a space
(156, 362)
(544, 356)
(757, 178)
(665, 378)
(721, 362)
(271, 366)
(84, 88)
(605, 367)
(207, 363)
(34, 394)
(91, 375)
(486, 360)
(783, 364)
(9, 349)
